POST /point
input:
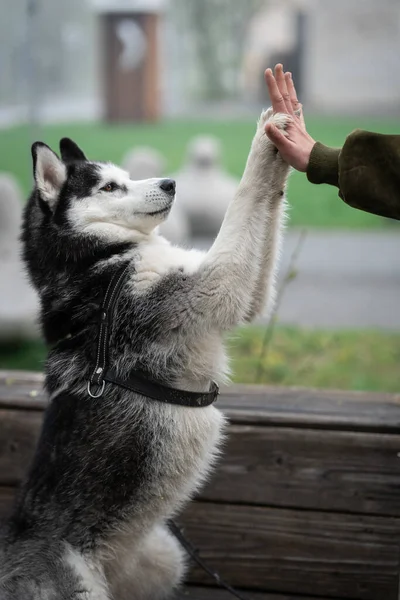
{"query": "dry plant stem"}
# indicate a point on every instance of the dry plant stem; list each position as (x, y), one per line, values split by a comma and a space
(269, 332)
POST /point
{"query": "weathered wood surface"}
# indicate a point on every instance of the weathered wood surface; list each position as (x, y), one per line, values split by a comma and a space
(210, 593)
(288, 551)
(22, 390)
(288, 467)
(298, 407)
(305, 468)
(7, 495)
(341, 556)
(295, 407)
(291, 550)
(305, 502)
(19, 430)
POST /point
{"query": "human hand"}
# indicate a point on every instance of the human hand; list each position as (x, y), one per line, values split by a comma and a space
(296, 145)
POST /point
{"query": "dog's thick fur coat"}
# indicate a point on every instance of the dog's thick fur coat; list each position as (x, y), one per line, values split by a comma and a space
(90, 521)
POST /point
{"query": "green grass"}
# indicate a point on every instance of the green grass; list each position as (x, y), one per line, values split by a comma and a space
(24, 356)
(353, 360)
(314, 206)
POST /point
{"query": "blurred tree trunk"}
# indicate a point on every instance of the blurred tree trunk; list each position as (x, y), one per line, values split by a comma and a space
(203, 20)
(218, 29)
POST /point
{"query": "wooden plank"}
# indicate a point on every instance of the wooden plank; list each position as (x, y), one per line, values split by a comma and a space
(320, 470)
(330, 470)
(210, 593)
(289, 407)
(16, 392)
(7, 496)
(21, 376)
(18, 434)
(300, 407)
(296, 552)
(290, 552)
(199, 593)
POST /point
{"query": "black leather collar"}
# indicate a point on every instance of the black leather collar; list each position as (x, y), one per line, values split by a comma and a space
(134, 380)
(162, 393)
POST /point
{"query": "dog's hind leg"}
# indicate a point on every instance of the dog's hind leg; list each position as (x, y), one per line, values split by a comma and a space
(90, 579)
(152, 571)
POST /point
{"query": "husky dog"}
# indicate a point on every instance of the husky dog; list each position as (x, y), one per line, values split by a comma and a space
(90, 522)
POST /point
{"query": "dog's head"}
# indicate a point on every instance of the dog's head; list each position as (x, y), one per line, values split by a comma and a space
(97, 199)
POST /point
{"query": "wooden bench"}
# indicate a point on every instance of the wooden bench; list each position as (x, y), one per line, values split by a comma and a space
(305, 503)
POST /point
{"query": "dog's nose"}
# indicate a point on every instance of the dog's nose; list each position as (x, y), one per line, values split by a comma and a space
(168, 185)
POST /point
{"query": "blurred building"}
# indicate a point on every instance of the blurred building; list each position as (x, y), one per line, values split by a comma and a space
(48, 60)
(343, 54)
(274, 34)
(212, 53)
(351, 56)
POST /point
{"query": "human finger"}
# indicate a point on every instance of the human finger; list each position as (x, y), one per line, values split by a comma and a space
(297, 106)
(292, 91)
(277, 137)
(277, 101)
(281, 82)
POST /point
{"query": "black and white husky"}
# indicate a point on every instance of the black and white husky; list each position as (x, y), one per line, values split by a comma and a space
(91, 519)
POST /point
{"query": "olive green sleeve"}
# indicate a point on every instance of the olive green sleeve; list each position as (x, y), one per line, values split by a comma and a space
(366, 170)
(324, 165)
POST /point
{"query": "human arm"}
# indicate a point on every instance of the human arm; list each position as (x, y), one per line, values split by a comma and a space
(366, 170)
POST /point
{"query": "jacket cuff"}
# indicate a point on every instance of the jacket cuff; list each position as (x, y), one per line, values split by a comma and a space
(324, 165)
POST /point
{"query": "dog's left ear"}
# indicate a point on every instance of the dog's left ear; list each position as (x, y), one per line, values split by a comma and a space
(70, 151)
(49, 172)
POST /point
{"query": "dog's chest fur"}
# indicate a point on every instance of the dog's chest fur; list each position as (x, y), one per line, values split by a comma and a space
(157, 454)
(203, 356)
(157, 258)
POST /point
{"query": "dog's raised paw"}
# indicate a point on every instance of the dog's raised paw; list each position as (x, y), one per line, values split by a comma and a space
(280, 120)
(264, 117)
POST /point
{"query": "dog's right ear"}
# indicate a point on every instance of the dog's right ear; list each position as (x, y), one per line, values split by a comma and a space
(49, 173)
(70, 151)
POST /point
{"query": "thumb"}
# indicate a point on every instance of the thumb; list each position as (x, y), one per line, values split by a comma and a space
(276, 136)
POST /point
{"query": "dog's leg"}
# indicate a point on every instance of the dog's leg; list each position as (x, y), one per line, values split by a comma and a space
(151, 571)
(264, 290)
(90, 579)
(230, 272)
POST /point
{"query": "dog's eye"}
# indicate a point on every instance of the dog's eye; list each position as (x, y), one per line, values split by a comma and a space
(109, 187)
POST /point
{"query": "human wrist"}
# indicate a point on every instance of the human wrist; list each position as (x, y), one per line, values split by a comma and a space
(323, 165)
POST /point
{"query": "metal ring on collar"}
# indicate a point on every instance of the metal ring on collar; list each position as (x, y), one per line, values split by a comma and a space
(103, 385)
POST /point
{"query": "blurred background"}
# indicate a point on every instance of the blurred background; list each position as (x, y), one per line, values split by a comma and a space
(174, 87)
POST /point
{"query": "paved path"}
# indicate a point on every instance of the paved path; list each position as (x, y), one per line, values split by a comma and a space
(345, 280)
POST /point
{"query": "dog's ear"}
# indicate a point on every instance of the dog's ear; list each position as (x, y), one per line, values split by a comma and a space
(49, 172)
(70, 151)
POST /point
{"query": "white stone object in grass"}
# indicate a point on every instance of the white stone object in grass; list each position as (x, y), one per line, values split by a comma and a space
(18, 300)
(205, 189)
(145, 163)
